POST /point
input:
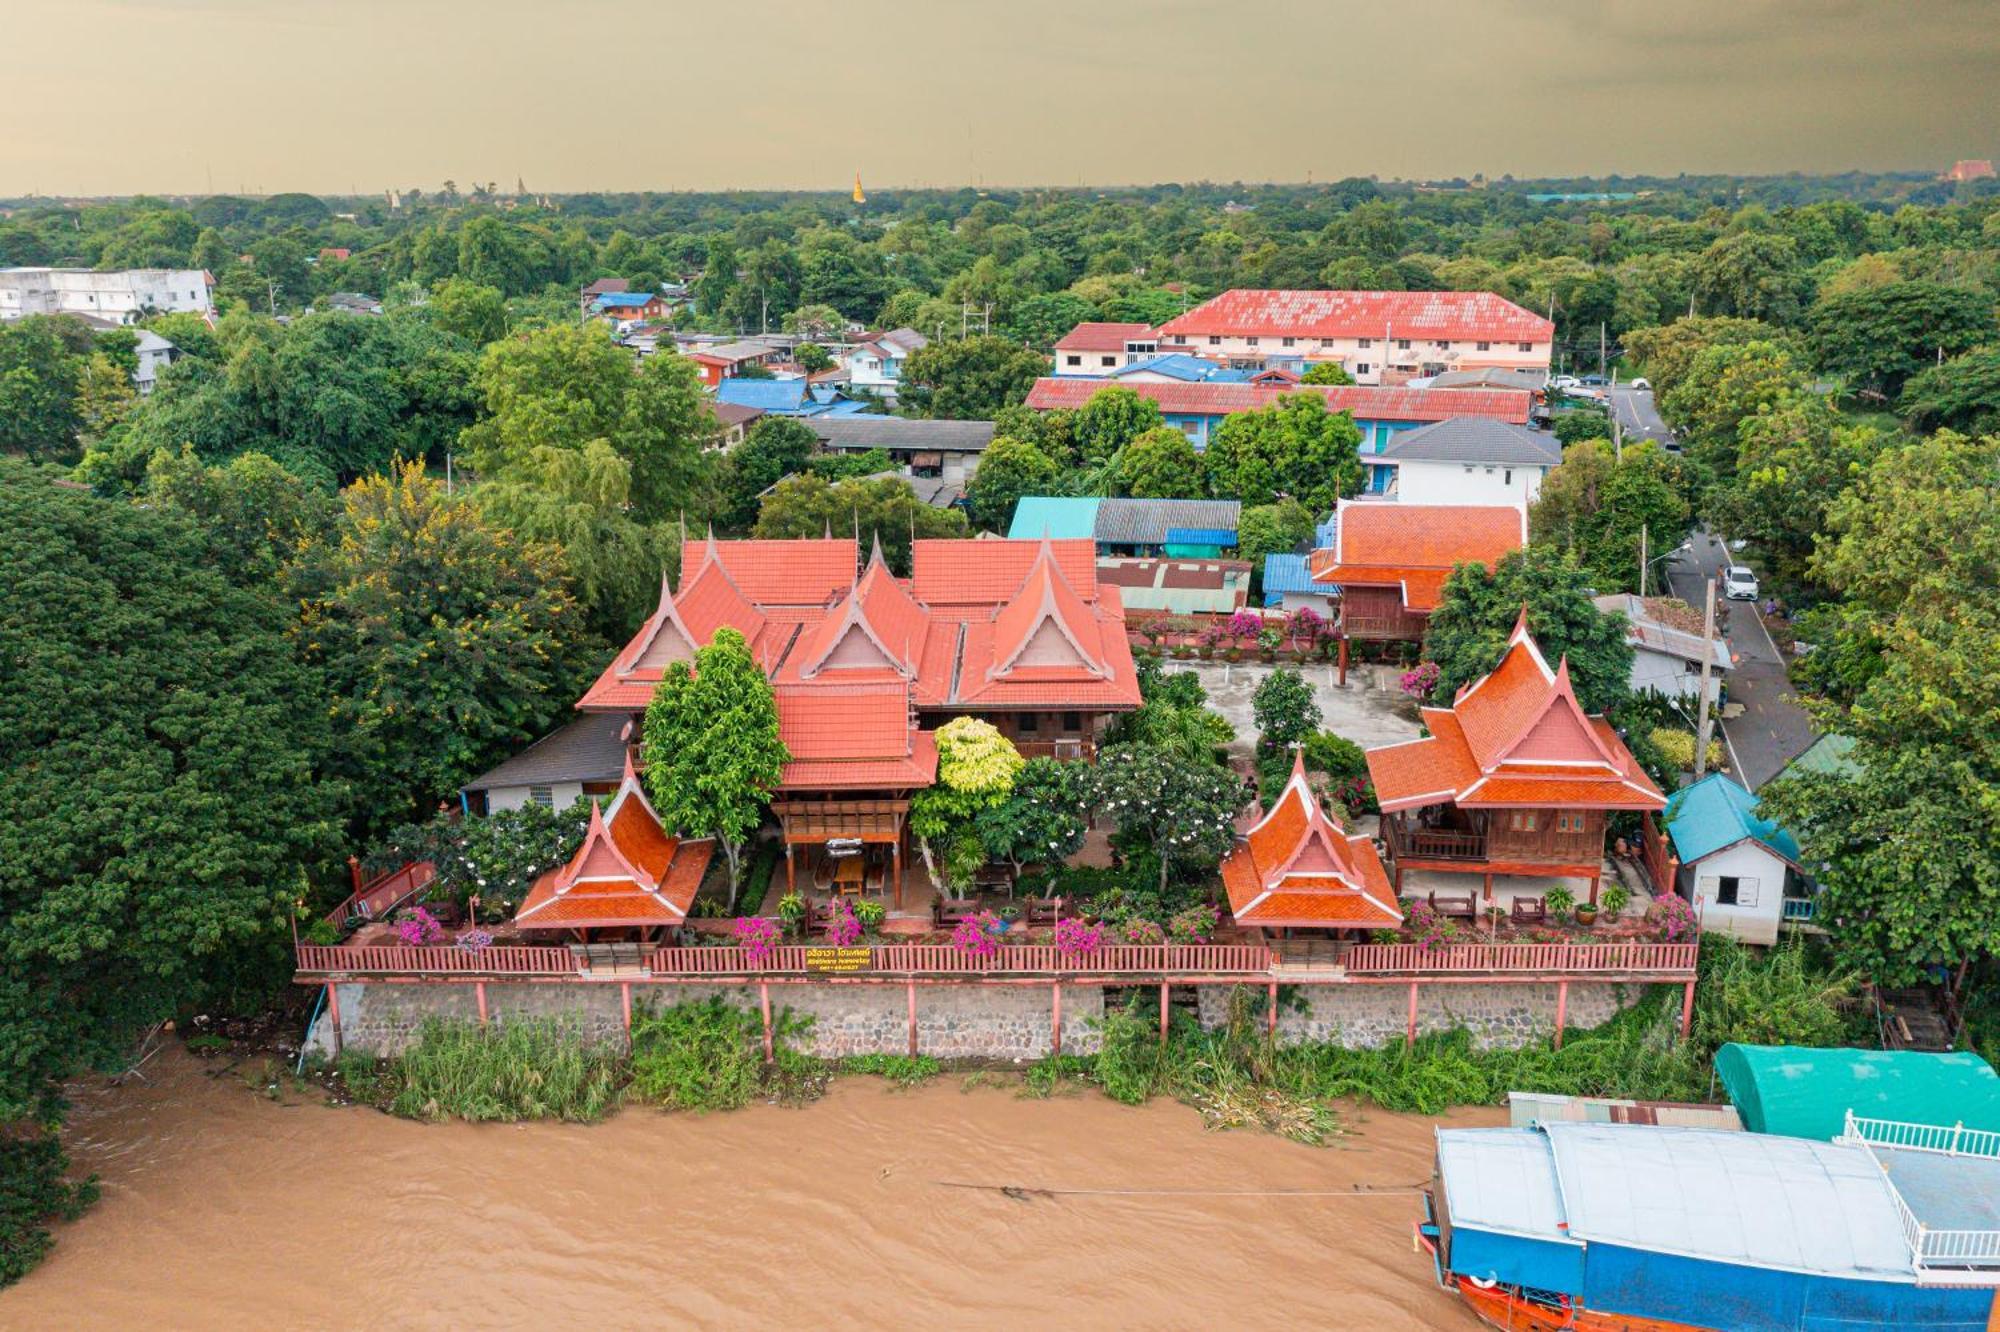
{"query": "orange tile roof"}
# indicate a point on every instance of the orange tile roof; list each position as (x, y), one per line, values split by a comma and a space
(845, 721)
(1452, 315)
(629, 871)
(1415, 547)
(945, 572)
(917, 768)
(1515, 737)
(805, 572)
(1297, 866)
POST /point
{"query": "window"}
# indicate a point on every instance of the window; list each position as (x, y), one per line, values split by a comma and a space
(1326, 342)
(1072, 360)
(1107, 360)
(1214, 341)
(1468, 469)
(1250, 342)
(1442, 346)
(1363, 368)
(1286, 342)
(545, 796)
(1523, 820)
(1402, 344)
(1507, 477)
(1527, 346)
(1366, 343)
(1569, 823)
(1180, 339)
(1028, 724)
(1489, 471)
(1072, 722)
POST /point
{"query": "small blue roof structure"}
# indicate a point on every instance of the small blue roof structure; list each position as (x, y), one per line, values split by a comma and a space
(1201, 536)
(778, 397)
(1174, 365)
(1715, 813)
(1289, 573)
(1058, 517)
(622, 300)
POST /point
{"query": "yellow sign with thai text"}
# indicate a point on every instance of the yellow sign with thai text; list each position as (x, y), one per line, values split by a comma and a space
(837, 959)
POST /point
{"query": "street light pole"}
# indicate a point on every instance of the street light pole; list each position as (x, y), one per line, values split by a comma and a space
(1707, 669)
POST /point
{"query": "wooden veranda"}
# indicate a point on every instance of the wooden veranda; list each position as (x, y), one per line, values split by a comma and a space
(869, 822)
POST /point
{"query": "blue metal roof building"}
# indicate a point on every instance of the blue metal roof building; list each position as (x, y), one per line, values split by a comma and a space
(1060, 518)
(1291, 575)
(785, 397)
(1714, 813)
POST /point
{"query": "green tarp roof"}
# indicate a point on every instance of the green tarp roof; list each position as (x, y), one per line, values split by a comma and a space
(1806, 1093)
(1059, 518)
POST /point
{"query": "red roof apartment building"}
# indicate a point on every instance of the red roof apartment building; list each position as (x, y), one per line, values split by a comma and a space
(864, 665)
(1097, 349)
(1379, 337)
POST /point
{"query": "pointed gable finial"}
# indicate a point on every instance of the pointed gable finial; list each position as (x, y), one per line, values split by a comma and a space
(1520, 624)
(875, 551)
(631, 774)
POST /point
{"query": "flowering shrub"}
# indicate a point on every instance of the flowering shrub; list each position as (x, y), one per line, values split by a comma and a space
(1075, 939)
(1244, 625)
(1193, 925)
(974, 935)
(419, 929)
(1673, 917)
(870, 913)
(843, 927)
(474, 941)
(1420, 682)
(1305, 626)
(1430, 929)
(758, 937)
(1143, 932)
(496, 858)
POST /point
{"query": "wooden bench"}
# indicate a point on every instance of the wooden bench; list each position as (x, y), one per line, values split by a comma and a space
(948, 912)
(1456, 908)
(1041, 912)
(1530, 910)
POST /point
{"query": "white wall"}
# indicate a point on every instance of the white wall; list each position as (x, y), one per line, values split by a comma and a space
(1465, 483)
(1094, 364)
(1377, 353)
(1756, 923)
(118, 296)
(1666, 674)
(502, 798)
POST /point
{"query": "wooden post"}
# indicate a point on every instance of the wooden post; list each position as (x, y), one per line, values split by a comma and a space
(1410, 1033)
(354, 871)
(896, 864)
(1343, 661)
(1593, 886)
(479, 989)
(625, 1003)
(791, 871)
(1163, 1012)
(333, 1011)
(1271, 1011)
(764, 1002)
(913, 1019)
(1687, 1011)
(1056, 1041)
(1562, 1010)
(1488, 892)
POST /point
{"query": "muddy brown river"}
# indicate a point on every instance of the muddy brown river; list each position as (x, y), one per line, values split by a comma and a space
(225, 1210)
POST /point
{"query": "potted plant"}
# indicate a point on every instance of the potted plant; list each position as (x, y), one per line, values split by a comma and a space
(792, 910)
(1615, 898)
(1560, 901)
(1267, 644)
(1586, 913)
(1008, 915)
(870, 913)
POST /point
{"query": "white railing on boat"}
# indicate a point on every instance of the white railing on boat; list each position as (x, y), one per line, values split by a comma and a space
(1940, 1256)
(1948, 1140)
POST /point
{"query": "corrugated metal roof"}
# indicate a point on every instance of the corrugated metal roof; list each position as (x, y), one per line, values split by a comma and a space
(1474, 439)
(1716, 812)
(1201, 536)
(1146, 522)
(1058, 517)
(586, 750)
(898, 432)
(1288, 573)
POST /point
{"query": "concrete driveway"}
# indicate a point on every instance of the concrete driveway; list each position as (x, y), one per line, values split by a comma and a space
(1364, 712)
(1772, 729)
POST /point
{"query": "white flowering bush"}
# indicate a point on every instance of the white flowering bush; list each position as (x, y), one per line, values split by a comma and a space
(496, 858)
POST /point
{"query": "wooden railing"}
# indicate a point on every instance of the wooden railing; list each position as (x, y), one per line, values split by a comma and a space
(444, 960)
(1503, 959)
(1382, 626)
(1436, 843)
(381, 894)
(1061, 748)
(1800, 910)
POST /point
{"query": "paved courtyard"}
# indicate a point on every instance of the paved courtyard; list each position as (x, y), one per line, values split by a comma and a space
(1368, 711)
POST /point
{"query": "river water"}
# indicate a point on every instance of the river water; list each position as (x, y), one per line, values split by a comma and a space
(222, 1209)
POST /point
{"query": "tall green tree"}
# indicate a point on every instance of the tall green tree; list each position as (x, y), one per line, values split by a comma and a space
(1598, 505)
(713, 755)
(1285, 709)
(775, 448)
(969, 379)
(1183, 808)
(1963, 394)
(1008, 469)
(1161, 464)
(1477, 612)
(1793, 460)
(883, 507)
(1877, 338)
(1113, 418)
(464, 309)
(1044, 818)
(40, 372)
(446, 642)
(1294, 447)
(977, 767)
(1667, 352)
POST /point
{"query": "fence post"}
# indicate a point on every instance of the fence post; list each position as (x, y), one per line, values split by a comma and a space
(1687, 1011)
(912, 984)
(1163, 1012)
(479, 989)
(625, 1002)
(1056, 990)
(333, 1011)
(1562, 1010)
(764, 1002)
(1410, 1032)
(1271, 1011)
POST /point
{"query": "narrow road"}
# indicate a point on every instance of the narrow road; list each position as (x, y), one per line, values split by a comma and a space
(1772, 730)
(1635, 411)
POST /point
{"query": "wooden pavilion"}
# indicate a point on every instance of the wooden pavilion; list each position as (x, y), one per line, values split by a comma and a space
(1296, 868)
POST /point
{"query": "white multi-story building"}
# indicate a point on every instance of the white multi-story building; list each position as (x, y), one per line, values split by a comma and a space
(121, 297)
(1379, 337)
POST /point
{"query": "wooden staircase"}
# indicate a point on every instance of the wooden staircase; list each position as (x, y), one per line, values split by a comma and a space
(1911, 1021)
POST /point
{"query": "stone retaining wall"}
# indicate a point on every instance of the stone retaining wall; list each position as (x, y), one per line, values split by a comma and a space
(953, 1021)
(1364, 1016)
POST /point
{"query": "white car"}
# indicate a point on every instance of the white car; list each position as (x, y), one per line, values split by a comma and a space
(1643, 384)
(1739, 583)
(1566, 382)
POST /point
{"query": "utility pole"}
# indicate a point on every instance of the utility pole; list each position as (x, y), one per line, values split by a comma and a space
(1642, 557)
(1704, 720)
(1603, 362)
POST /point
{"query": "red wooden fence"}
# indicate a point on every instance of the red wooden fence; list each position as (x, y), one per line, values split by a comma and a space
(1501, 959)
(380, 895)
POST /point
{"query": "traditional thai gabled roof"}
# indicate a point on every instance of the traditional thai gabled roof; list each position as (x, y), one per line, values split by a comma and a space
(1516, 737)
(629, 871)
(684, 622)
(1296, 866)
(852, 736)
(877, 626)
(809, 571)
(1046, 625)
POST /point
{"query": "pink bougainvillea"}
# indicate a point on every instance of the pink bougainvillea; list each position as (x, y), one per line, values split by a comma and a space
(758, 937)
(843, 926)
(1673, 917)
(1077, 939)
(1420, 682)
(975, 936)
(1430, 929)
(1138, 931)
(1244, 625)
(419, 929)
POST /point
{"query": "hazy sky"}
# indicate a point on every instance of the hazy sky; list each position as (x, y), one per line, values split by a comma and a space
(116, 96)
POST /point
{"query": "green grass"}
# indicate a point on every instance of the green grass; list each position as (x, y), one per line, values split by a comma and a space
(542, 1068)
(903, 1070)
(709, 1055)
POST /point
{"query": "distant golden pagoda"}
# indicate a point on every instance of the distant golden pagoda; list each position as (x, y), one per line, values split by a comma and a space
(860, 197)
